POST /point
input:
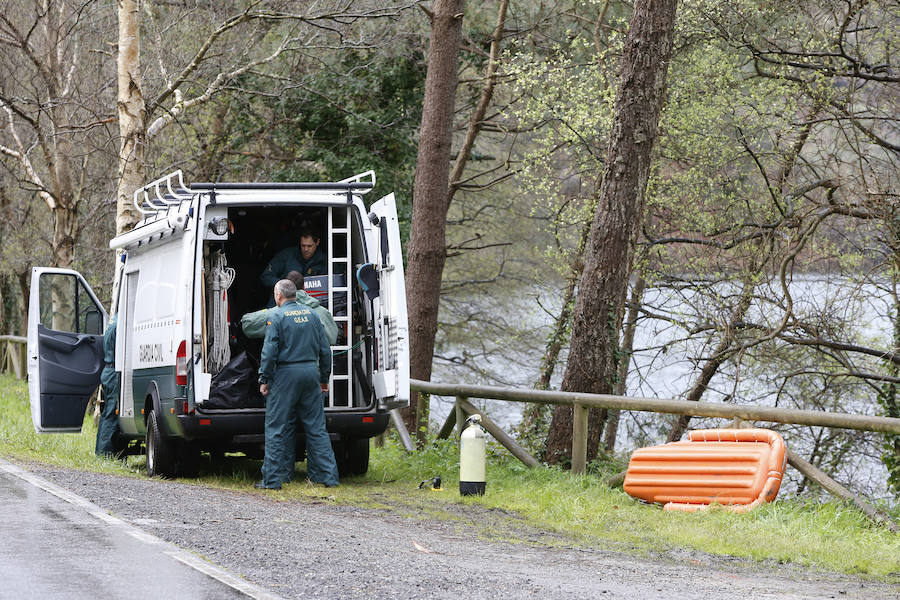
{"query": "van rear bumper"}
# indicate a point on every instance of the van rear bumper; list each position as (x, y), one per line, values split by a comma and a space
(357, 425)
(225, 424)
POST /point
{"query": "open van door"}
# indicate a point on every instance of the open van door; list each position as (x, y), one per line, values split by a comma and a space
(65, 348)
(391, 372)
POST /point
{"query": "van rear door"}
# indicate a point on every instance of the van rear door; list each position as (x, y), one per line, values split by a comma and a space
(391, 372)
(65, 348)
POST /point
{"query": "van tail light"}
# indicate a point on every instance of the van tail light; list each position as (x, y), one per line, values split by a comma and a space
(181, 364)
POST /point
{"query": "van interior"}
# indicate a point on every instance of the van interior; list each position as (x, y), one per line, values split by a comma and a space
(255, 234)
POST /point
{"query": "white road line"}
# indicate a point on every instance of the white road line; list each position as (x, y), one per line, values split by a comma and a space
(224, 576)
(254, 591)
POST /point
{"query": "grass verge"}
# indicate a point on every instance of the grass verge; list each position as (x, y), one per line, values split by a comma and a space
(578, 510)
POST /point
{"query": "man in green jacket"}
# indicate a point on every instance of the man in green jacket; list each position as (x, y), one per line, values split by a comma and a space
(254, 324)
(293, 374)
(110, 379)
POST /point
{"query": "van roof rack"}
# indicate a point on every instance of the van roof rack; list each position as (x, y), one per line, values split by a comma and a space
(339, 186)
(363, 182)
(170, 190)
(160, 194)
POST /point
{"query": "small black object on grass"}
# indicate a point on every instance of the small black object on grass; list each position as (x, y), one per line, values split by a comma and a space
(434, 484)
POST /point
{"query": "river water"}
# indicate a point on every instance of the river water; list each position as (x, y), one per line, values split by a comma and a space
(504, 336)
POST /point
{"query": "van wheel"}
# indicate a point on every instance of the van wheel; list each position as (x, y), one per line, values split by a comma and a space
(187, 463)
(120, 446)
(353, 457)
(159, 450)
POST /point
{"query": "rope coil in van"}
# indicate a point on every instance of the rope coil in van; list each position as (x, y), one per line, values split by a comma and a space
(221, 276)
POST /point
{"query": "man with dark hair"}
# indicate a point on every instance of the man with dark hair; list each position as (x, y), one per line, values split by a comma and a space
(306, 258)
(293, 375)
(304, 299)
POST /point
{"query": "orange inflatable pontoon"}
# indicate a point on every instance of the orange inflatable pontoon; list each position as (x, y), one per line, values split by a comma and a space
(737, 468)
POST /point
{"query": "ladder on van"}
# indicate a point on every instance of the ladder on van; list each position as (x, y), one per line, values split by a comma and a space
(340, 263)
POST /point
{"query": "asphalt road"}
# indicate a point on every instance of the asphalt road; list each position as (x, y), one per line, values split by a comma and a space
(55, 548)
(316, 549)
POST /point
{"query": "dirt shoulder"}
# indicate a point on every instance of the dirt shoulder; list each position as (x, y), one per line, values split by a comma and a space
(320, 550)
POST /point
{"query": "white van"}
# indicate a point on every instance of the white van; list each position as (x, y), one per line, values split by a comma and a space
(189, 270)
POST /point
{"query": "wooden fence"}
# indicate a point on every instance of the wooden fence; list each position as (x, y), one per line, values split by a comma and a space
(582, 402)
(12, 355)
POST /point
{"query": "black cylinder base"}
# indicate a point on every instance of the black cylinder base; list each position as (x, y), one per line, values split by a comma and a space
(471, 488)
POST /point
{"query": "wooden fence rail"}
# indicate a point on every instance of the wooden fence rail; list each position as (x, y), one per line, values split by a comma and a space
(582, 402)
(12, 355)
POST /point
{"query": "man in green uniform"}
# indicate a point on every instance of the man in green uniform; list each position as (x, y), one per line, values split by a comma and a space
(293, 374)
(110, 380)
(306, 258)
(328, 324)
(254, 324)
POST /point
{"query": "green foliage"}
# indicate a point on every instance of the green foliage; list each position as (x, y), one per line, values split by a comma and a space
(570, 94)
(18, 438)
(891, 458)
(532, 430)
(357, 110)
(369, 122)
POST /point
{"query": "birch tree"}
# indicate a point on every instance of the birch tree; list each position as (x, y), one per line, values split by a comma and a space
(234, 40)
(54, 120)
(131, 113)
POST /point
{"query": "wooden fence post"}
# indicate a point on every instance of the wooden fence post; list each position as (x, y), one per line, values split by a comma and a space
(22, 355)
(501, 436)
(449, 424)
(460, 415)
(579, 438)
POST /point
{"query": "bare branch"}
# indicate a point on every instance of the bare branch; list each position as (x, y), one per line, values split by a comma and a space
(198, 58)
(215, 86)
(843, 346)
(475, 123)
(22, 156)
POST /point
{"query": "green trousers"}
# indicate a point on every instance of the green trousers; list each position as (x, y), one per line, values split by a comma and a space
(109, 420)
(295, 395)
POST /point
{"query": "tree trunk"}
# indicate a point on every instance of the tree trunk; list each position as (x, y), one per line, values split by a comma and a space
(887, 396)
(426, 251)
(59, 151)
(593, 359)
(612, 424)
(534, 415)
(484, 101)
(24, 292)
(7, 298)
(65, 225)
(132, 116)
(558, 336)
